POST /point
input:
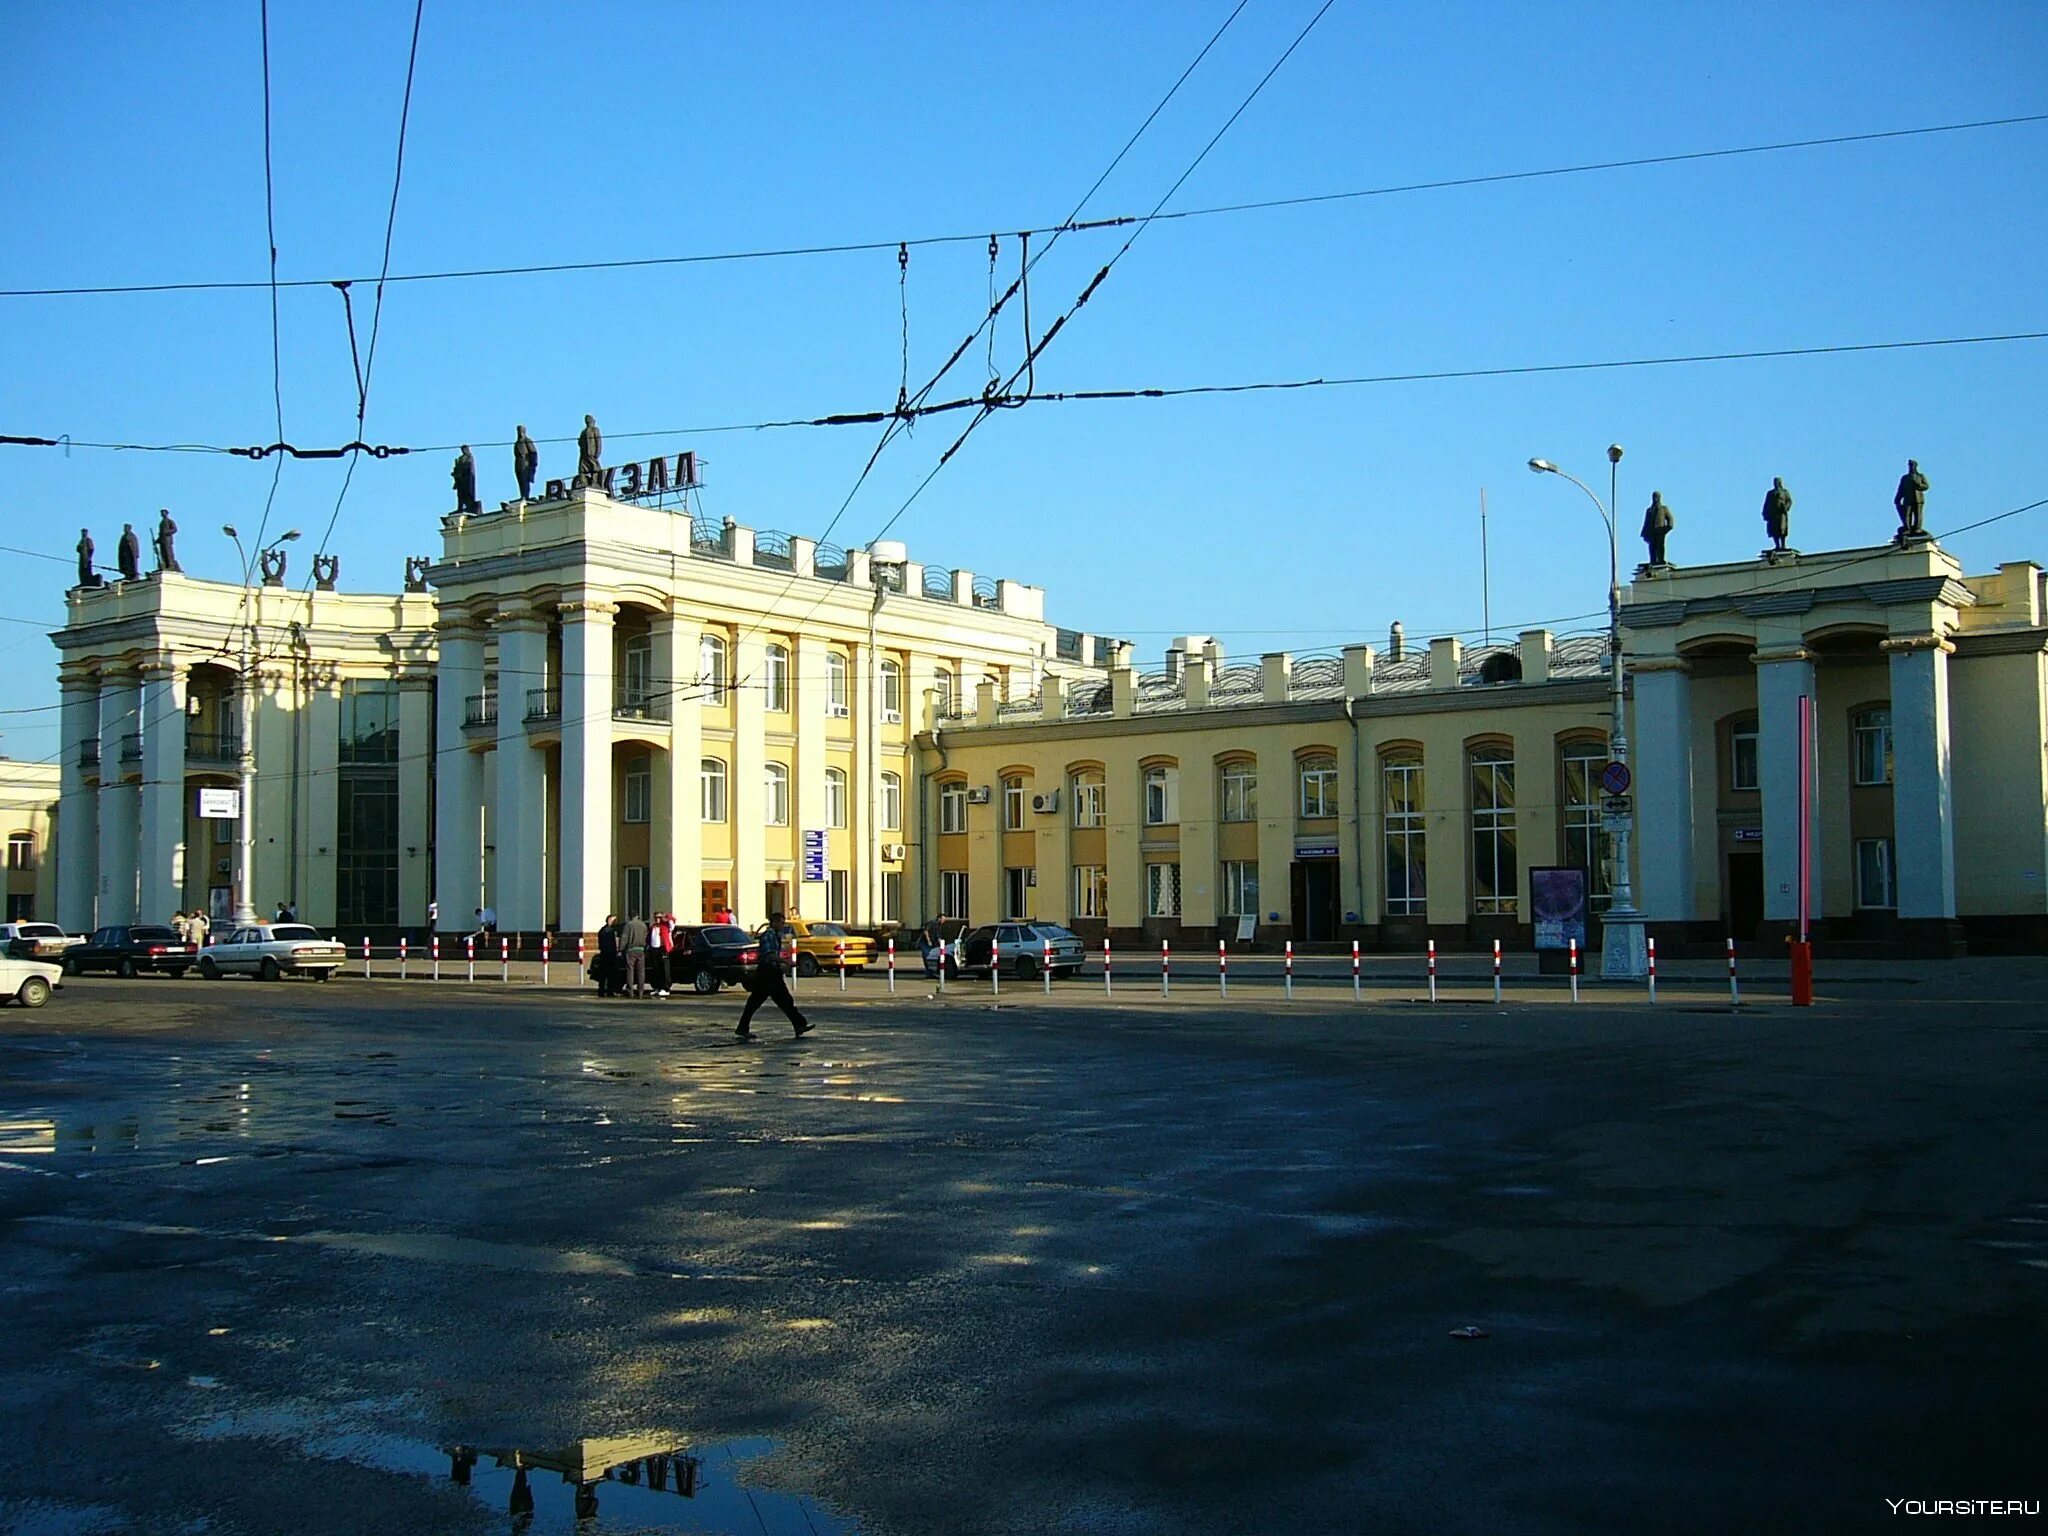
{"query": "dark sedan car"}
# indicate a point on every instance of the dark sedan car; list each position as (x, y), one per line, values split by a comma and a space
(131, 948)
(708, 958)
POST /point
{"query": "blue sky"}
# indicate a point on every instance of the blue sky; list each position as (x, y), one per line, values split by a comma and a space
(1294, 520)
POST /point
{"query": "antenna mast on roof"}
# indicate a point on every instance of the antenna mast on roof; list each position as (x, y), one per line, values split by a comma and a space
(1485, 582)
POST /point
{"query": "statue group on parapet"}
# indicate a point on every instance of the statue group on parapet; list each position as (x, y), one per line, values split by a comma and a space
(526, 466)
(1909, 501)
(128, 552)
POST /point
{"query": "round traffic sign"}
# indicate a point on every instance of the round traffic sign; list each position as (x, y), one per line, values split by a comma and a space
(1615, 778)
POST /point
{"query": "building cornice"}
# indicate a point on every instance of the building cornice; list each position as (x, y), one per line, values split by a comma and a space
(2000, 642)
(1897, 592)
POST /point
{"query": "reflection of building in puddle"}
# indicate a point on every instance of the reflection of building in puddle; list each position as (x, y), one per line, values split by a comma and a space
(28, 1135)
(641, 1461)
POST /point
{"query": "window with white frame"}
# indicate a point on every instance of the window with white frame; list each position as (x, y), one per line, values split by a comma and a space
(775, 796)
(1318, 788)
(1085, 788)
(1091, 891)
(1239, 798)
(892, 895)
(639, 788)
(1870, 739)
(711, 672)
(946, 690)
(1877, 887)
(953, 893)
(775, 679)
(892, 801)
(636, 671)
(1017, 884)
(835, 797)
(1579, 800)
(1742, 759)
(953, 808)
(837, 885)
(1162, 795)
(634, 877)
(892, 691)
(1013, 804)
(21, 850)
(1240, 891)
(1162, 890)
(835, 685)
(1406, 838)
(1496, 870)
(711, 795)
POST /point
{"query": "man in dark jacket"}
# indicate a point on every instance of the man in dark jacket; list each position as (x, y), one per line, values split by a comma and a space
(633, 944)
(608, 956)
(766, 983)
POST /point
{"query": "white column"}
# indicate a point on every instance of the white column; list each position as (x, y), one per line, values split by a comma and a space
(1922, 808)
(520, 819)
(415, 729)
(862, 853)
(120, 708)
(586, 763)
(748, 804)
(318, 718)
(678, 799)
(77, 805)
(161, 861)
(807, 772)
(1662, 743)
(1781, 677)
(458, 780)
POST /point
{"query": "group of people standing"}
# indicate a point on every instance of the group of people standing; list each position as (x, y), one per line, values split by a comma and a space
(634, 956)
(191, 927)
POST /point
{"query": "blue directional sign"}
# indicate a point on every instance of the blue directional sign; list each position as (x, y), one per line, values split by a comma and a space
(814, 853)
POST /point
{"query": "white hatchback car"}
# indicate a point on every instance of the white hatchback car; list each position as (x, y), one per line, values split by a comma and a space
(28, 982)
(271, 951)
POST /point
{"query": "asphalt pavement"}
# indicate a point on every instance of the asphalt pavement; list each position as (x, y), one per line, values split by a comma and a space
(364, 1256)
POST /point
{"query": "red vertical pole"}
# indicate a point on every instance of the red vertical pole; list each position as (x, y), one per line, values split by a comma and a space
(839, 948)
(504, 957)
(366, 957)
(1045, 966)
(1222, 969)
(401, 957)
(469, 954)
(1496, 970)
(1574, 945)
(582, 958)
(1106, 988)
(545, 955)
(892, 965)
(435, 945)
(1734, 986)
(1165, 968)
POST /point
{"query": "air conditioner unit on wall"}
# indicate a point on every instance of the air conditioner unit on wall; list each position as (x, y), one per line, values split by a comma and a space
(1047, 803)
(835, 711)
(221, 866)
(893, 851)
(979, 795)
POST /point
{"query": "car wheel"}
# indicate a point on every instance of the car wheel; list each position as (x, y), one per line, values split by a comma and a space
(34, 992)
(126, 968)
(208, 968)
(807, 965)
(72, 968)
(324, 975)
(704, 983)
(269, 970)
(952, 970)
(1026, 968)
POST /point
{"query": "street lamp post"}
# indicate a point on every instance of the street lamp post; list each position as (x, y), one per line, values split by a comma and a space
(245, 830)
(1623, 952)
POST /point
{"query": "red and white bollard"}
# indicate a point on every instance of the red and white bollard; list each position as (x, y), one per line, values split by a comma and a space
(892, 965)
(1573, 945)
(840, 949)
(1289, 974)
(546, 954)
(366, 957)
(1165, 969)
(1045, 966)
(1734, 986)
(469, 954)
(1653, 969)
(401, 957)
(1432, 970)
(995, 965)
(1496, 970)
(942, 965)
(582, 959)
(434, 944)
(1106, 989)
(1357, 990)
(1222, 969)
(504, 957)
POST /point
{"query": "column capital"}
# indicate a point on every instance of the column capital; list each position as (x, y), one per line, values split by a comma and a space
(587, 609)
(118, 674)
(416, 680)
(77, 676)
(456, 628)
(1764, 658)
(518, 614)
(1645, 665)
(1905, 645)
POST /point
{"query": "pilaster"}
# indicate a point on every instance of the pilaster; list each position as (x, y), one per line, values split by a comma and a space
(458, 779)
(520, 819)
(587, 811)
(1922, 777)
(807, 771)
(1783, 674)
(415, 762)
(1662, 743)
(77, 809)
(119, 717)
(678, 791)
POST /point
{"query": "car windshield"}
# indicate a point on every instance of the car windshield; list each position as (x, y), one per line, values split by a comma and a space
(827, 931)
(293, 931)
(724, 935)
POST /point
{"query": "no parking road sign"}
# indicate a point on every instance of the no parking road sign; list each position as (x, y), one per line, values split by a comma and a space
(1615, 778)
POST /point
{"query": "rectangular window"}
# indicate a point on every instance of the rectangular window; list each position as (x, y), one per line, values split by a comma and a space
(1240, 888)
(636, 674)
(1406, 841)
(1087, 802)
(639, 790)
(1496, 871)
(1579, 791)
(1876, 877)
(953, 812)
(369, 722)
(1017, 885)
(1162, 890)
(1013, 805)
(636, 890)
(892, 895)
(1742, 770)
(836, 895)
(892, 802)
(953, 893)
(1318, 789)
(711, 789)
(1240, 792)
(1871, 738)
(366, 806)
(892, 692)
(1162, 797)
(1091, 891)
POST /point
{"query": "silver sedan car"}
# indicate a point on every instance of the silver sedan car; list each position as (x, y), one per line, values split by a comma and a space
(272, 951)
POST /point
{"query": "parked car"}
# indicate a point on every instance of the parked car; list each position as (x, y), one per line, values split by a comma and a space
(36, 941)
(129, 949)
(272, 951)
(1021, 949)
(950, 930)
(817, 946)
(709, 958)
(28, 982)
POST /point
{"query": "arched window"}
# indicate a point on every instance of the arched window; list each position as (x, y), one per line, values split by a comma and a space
(892, 801)
(835, 685)
(1085, 787)
(1162, 795)
(892, 691)
(775, 679)
(711, 778)
(776, 796)
(21, 850)
(1318, 787)
(835, 797)
(1238, 791)
(711, 662)
(1496, 869)
(1406, 839)
(1870, 740)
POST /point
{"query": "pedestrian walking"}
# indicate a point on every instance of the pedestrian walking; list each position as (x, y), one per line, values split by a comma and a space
(197, 927)
(633, 947)
(607, 965)
(765, 984)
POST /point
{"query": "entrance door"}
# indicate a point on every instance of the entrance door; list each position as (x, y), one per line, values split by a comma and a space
(714, 901)
(1314, 891)
(778, 901)
(1745, 893)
